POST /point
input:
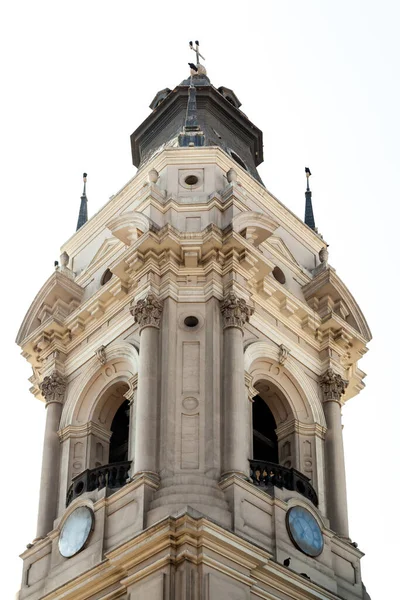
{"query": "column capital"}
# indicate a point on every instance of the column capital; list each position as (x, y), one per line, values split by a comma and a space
(53, 388)
(235, 312)
(147, 312)
(333, 386)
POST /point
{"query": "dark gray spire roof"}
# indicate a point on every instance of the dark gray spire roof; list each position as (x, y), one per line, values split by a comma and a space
(83, 212)
(216, 114)
(191, 134)
(309, 213)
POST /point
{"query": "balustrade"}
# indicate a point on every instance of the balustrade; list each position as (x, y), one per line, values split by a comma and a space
(113, 475)
(267, 474)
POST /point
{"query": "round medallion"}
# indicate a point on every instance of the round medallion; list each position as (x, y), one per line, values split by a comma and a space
(75, 531)
(304, 531)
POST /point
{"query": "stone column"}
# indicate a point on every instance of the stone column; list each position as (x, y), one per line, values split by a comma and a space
(147, 313)
(131, 397)
(235, 313)
(53, 390)
(333, 387)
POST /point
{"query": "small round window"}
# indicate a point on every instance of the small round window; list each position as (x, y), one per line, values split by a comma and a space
(191, 180)
(279, 275)
(191, 321)
(106, 277)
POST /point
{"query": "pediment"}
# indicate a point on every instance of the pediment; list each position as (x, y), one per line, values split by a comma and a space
(279, 245)
(327, 293)
(105, 251)
(59, 296)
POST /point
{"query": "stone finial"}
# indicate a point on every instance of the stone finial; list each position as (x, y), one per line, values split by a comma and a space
(53, 388)
(323, 256)
(64, 260)
(153, 176)
(235, 311)
(333, 385)
(231, 176)
(148, 311)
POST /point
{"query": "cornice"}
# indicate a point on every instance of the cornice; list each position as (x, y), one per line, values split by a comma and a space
(78, 431)
(206, 155)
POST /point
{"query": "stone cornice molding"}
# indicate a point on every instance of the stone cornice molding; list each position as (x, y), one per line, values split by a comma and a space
(81, 431)
(206, 155)
(53, 388)
(235, 312)
(147, 312)
(333, 386)
(295, 426)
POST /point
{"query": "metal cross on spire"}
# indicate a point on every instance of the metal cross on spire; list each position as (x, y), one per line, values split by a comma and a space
(195, 48)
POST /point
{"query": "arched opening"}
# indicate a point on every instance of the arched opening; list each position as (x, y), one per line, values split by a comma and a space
(265, 441)
(120, 434)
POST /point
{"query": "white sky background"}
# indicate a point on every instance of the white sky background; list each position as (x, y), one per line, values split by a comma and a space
(319, 78)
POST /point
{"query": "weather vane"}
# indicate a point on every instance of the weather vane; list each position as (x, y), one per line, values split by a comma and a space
(195, 48)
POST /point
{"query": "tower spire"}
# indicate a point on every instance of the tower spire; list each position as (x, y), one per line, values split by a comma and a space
(191, 134)
(309, 213)
(83, 212)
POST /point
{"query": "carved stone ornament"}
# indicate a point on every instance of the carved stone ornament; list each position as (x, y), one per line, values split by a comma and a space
(147, 312)
(53, 388)
(333, 385)
(101, 355)
(235, 311)
(283, 354)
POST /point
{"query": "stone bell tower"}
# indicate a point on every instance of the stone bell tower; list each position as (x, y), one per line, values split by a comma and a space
(194, 350)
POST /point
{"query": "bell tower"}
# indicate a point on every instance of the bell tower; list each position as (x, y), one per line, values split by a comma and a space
(194, 350)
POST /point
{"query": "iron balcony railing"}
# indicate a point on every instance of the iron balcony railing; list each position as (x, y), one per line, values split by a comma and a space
(114, 475)
(266, 474)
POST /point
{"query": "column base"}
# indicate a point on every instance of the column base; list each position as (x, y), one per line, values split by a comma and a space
(240, 474)
(152, 475)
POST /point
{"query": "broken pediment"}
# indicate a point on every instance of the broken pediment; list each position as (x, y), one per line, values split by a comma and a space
(279, 245)
(327, 295)
(254, 226)
(129, 226)
(105, 251)
(59, 296)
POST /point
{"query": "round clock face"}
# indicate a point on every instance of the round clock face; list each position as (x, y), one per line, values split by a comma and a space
(304, 531)
(75, 531)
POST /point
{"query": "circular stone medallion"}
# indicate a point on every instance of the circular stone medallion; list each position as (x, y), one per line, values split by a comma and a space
(75, 531)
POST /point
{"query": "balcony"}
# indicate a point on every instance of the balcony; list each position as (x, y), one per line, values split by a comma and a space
(113, 476)
(268, 474)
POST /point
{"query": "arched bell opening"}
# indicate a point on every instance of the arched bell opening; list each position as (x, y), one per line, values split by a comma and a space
(108, 444)
(265, 440)
(270, 409)
(278, 457)
(119, 441)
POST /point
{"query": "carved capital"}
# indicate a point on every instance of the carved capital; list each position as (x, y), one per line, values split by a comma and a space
(53, 388)
(333, 386)
(147, 312)
(235, 311)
